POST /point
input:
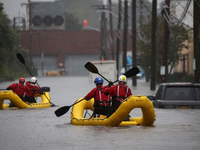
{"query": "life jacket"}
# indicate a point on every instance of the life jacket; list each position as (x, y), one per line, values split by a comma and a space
(121, 92)
(100, 98)
(19, 90)
(32, 93)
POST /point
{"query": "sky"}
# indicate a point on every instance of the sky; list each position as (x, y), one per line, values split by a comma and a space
(13, 8)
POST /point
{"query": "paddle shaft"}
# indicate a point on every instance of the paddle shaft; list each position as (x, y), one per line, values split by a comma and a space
(77, 102)
(61, 111)
(103, 77)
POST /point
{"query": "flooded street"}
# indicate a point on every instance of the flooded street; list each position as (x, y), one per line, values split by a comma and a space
(40, 129)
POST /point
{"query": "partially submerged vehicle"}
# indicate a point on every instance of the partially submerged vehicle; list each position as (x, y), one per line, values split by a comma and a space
(177, 95)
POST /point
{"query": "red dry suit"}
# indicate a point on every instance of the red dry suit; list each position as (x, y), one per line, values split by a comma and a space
(30, 95)
(19, 88)
(120, 91)
(98, 94)
(32, 92)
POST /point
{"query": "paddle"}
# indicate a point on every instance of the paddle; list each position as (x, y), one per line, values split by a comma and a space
(92, 68)
(21, 59)
(42, 89)
(61, 111)
(130, 73)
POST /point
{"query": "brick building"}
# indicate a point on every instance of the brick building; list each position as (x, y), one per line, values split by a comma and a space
(58, 49)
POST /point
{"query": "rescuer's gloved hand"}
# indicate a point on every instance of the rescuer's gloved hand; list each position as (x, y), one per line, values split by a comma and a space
(110, 84)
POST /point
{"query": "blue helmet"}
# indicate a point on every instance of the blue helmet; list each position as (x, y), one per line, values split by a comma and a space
(98, 80)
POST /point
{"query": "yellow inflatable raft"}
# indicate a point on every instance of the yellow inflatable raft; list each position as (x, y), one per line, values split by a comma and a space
(16, 100)
(116, 119)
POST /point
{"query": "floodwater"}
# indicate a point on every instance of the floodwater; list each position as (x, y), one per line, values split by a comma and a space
(40, 129)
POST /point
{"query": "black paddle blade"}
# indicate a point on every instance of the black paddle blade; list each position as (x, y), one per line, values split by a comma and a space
(21, 58)
(91, 67)
(45, 89)
(132, 72)
(61, 111)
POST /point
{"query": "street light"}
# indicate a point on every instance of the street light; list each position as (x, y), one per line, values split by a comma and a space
(110, 12)
(88, 27)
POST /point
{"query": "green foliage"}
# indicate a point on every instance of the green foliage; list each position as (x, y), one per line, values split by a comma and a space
(178, 34)
(180, 77)
(72, 23)
(9, 41)
(1, 7)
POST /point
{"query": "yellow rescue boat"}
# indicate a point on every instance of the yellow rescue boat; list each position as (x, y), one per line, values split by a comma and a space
(116, 119)
(16, 100)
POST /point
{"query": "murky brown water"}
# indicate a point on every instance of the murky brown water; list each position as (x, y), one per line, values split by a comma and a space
(40, 129)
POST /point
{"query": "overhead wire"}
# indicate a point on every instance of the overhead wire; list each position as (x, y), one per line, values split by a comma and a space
(197, 3)
(179, 4)
(178, 21)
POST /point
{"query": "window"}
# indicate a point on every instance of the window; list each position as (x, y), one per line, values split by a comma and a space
(180, 93)
(159, 92)
(197, 91)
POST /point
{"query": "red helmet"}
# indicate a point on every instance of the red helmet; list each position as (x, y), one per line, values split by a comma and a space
(21, 80)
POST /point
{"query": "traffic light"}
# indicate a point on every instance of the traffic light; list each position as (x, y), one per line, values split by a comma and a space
(85, 23)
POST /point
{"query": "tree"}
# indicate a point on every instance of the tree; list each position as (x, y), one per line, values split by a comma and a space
(177, 37)
(72, 23)
(178, 34)
(9, 47)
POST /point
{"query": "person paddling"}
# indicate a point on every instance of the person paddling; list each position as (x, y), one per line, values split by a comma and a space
(118, 93)
(30, 95)
(19, 88)
(101, 101)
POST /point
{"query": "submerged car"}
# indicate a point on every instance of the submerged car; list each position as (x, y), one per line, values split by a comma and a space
(141, 74)
(177, 95)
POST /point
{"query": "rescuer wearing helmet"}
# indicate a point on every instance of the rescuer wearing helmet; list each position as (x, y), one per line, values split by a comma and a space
(19, 88)
(118, 93)
(30, 95)
(101, 101)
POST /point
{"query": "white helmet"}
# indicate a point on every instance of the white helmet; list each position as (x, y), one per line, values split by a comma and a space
(33, 80)
(122, 78)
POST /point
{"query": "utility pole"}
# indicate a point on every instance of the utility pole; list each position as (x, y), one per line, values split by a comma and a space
(29, 20)
(153, 45)
(196, 32)
(134, 62)
(118, 37)
(166, 43)
(103, 38)
(111, 30)
(14, 22)
(125, 34)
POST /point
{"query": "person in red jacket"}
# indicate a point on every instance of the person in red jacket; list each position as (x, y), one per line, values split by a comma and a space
(118, 93)
(19, 88)
(101, 101)
(30, 95)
